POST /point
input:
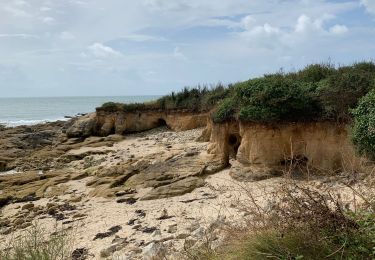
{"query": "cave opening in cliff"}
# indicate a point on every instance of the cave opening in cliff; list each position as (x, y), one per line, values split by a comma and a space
(234, 141)
(161, 123)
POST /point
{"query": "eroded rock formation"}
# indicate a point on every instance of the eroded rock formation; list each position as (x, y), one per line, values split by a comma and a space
(270, 149)
(105, 123)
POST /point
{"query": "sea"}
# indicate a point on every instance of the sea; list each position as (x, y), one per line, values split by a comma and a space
(35, 110)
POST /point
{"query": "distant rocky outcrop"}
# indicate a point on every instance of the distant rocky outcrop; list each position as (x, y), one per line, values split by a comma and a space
(104, 123)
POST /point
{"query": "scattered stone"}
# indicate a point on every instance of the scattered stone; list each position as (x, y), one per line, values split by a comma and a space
(75, 199)
(129, 201)
(164, 215)
(193, 226)
(141, 213)
(137, 227)
(172, 229)
(80, 254)
(156, 233)
(182, 236)
(131, 222)
(79, 215)
(198, 233)
(28, 206)
(154, 251)
(25, 225)
(149, 230)
(125, 192)
(59, 216)
(115, 138)
(6, 231)
(113, 230)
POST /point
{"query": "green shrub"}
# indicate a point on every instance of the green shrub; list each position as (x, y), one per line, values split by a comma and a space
(313, 73)
(111, 106)
(225, 111)
(363, 131)
(277, 98)
(364, 66)
(341, 92)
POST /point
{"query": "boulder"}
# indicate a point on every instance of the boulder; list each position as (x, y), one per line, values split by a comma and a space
(82, 127)
(154, 251)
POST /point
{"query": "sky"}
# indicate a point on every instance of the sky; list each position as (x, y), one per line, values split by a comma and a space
(152, 47)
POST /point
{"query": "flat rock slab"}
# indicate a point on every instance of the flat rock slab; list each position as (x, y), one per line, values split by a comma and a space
(175, 189)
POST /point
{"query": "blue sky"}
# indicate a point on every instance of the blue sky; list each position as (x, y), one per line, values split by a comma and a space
(147, 47)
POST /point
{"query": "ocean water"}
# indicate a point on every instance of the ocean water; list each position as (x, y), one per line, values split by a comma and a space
(29, 111)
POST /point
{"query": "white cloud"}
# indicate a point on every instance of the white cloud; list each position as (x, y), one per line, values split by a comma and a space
(248, 22)
(263, 36)
(143, 38)
(307, 24)
(15, 11)
(177, 53)
(67, 36)
(45, 9)
(369, 4)
(48, 20)
(100, 50)
(338, 29)
(18, 35)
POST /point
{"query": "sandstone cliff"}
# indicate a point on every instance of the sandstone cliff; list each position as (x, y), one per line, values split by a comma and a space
(103, 123)
(259, 150)
(270, 149)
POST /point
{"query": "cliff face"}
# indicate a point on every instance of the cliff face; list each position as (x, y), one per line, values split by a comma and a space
(104, 123)
(269, 149)
(121, 122)
(319, 146)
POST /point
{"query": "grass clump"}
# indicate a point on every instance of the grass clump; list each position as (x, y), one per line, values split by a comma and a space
(198, 99)
(302, 223)
(34, 244)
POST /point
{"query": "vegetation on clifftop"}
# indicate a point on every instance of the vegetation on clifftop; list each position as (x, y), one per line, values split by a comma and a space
(317, 92)
(198, 99)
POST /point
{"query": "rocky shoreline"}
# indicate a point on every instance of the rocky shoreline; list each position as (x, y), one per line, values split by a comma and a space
(145, 195)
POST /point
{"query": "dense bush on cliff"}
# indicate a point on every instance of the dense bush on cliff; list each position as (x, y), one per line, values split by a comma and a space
(363, 133)
(276, 98)
(199, 99)
(342, 90)
(317, 92)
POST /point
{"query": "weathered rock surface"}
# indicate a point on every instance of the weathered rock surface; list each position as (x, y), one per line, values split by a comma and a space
(175, 189)
(266, 149)
(121, 122)
(82, 127)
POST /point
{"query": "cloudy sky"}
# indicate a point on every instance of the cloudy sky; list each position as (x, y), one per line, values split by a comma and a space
(141, 47)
